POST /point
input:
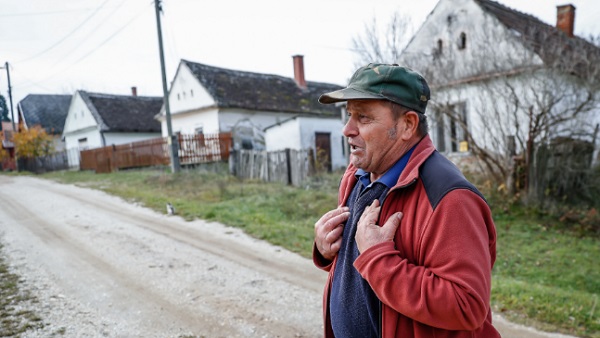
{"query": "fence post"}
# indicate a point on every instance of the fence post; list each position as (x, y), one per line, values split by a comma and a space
(288, 162)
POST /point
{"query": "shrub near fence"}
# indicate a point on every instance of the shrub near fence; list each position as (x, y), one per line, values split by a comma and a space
(286, 166)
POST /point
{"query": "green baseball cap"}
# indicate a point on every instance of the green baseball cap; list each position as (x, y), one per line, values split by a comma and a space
(378, 81)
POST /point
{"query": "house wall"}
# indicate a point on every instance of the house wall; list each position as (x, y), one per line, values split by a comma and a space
(213, 120)
(189, 122)
(299, 133)
(284, 135)
(187, 93)
(191, 106)
(489, 46)
(501, 107)
(494, 77)
(80, 123)
(228, 118)
(124, 138)
(91, 134)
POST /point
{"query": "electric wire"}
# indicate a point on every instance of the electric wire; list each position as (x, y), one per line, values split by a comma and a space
(93, 30)
(96, 48)
(12, 15)
(110, 37)
(66, 36)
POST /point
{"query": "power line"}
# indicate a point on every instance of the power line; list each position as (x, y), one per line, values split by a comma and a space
(96, 48)
(68, 34)
(110, 37)
(10, 15)
(93, 30)
(26, 80)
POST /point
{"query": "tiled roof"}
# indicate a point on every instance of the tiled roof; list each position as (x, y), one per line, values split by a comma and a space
(123, 113)
(262, 92)
(48, 111)
(550, 43)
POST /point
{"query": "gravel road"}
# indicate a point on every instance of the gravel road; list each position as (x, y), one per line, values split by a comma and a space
(101, 267)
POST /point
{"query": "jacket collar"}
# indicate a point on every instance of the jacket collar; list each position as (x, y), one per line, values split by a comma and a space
(422, 151)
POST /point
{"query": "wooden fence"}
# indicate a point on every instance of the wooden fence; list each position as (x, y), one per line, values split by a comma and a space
(42, 164)
(286, 166)
(193, 149)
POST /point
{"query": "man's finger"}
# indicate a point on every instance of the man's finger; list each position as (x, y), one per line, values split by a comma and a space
(390, 227)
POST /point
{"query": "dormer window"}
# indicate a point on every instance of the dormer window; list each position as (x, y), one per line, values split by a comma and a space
(462, 41)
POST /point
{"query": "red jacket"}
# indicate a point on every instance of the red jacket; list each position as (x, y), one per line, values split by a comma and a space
(434, 280)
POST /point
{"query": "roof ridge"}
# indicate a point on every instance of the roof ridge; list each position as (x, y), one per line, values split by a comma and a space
(237, 71)
(107, 96)
(507, 8)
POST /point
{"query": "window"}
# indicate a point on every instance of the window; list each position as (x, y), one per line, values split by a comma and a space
(438, 50)
(462, 41)
(439, 136)
(450, 128)
(82, 143)
(191, 93)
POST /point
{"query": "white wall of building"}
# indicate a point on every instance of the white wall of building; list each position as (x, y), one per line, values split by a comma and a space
(489, 46)
(80, 123)
(124, 138)
(283, 136)
(228, 118)
(299, 133)
(190, 122)
(455, 72)
(187, 93)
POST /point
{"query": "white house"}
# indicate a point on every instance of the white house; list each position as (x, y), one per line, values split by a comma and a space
(501, 79)
(97, 120)
(207, 100)
(322, 134)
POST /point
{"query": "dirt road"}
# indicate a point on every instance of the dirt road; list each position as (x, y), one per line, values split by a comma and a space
(101, 267)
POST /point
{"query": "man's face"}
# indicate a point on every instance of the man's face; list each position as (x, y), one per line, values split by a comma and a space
(372, 133)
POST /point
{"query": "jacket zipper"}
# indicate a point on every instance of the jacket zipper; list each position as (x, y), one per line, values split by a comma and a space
(379, 222)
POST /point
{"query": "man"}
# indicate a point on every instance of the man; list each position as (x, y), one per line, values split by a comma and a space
(417, 261)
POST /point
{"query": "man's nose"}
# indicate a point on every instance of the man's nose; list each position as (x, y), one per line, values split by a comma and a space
(350, 129)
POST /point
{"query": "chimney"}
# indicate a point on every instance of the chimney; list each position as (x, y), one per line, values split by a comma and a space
(565, 19)
(299, 70)
(134, 91)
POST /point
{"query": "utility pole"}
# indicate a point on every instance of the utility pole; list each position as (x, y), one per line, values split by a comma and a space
(173, 141)
(12, 115)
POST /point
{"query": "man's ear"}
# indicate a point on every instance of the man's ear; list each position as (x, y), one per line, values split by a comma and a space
(410, 124)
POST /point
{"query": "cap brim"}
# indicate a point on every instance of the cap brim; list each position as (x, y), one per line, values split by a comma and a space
(347, 94)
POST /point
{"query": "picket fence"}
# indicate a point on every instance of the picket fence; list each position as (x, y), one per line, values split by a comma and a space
(287, 166)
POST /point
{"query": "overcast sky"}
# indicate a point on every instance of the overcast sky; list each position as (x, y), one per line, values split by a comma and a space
(108, 46)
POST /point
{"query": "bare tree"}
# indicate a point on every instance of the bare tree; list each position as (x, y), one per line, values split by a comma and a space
(524, 101)
(374, 46)
(541, 100)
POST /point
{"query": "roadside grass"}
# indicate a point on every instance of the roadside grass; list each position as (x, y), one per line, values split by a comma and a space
(15, 318)
(545, 276)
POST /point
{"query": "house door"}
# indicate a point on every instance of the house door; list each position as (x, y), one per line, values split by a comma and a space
(323, 149)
